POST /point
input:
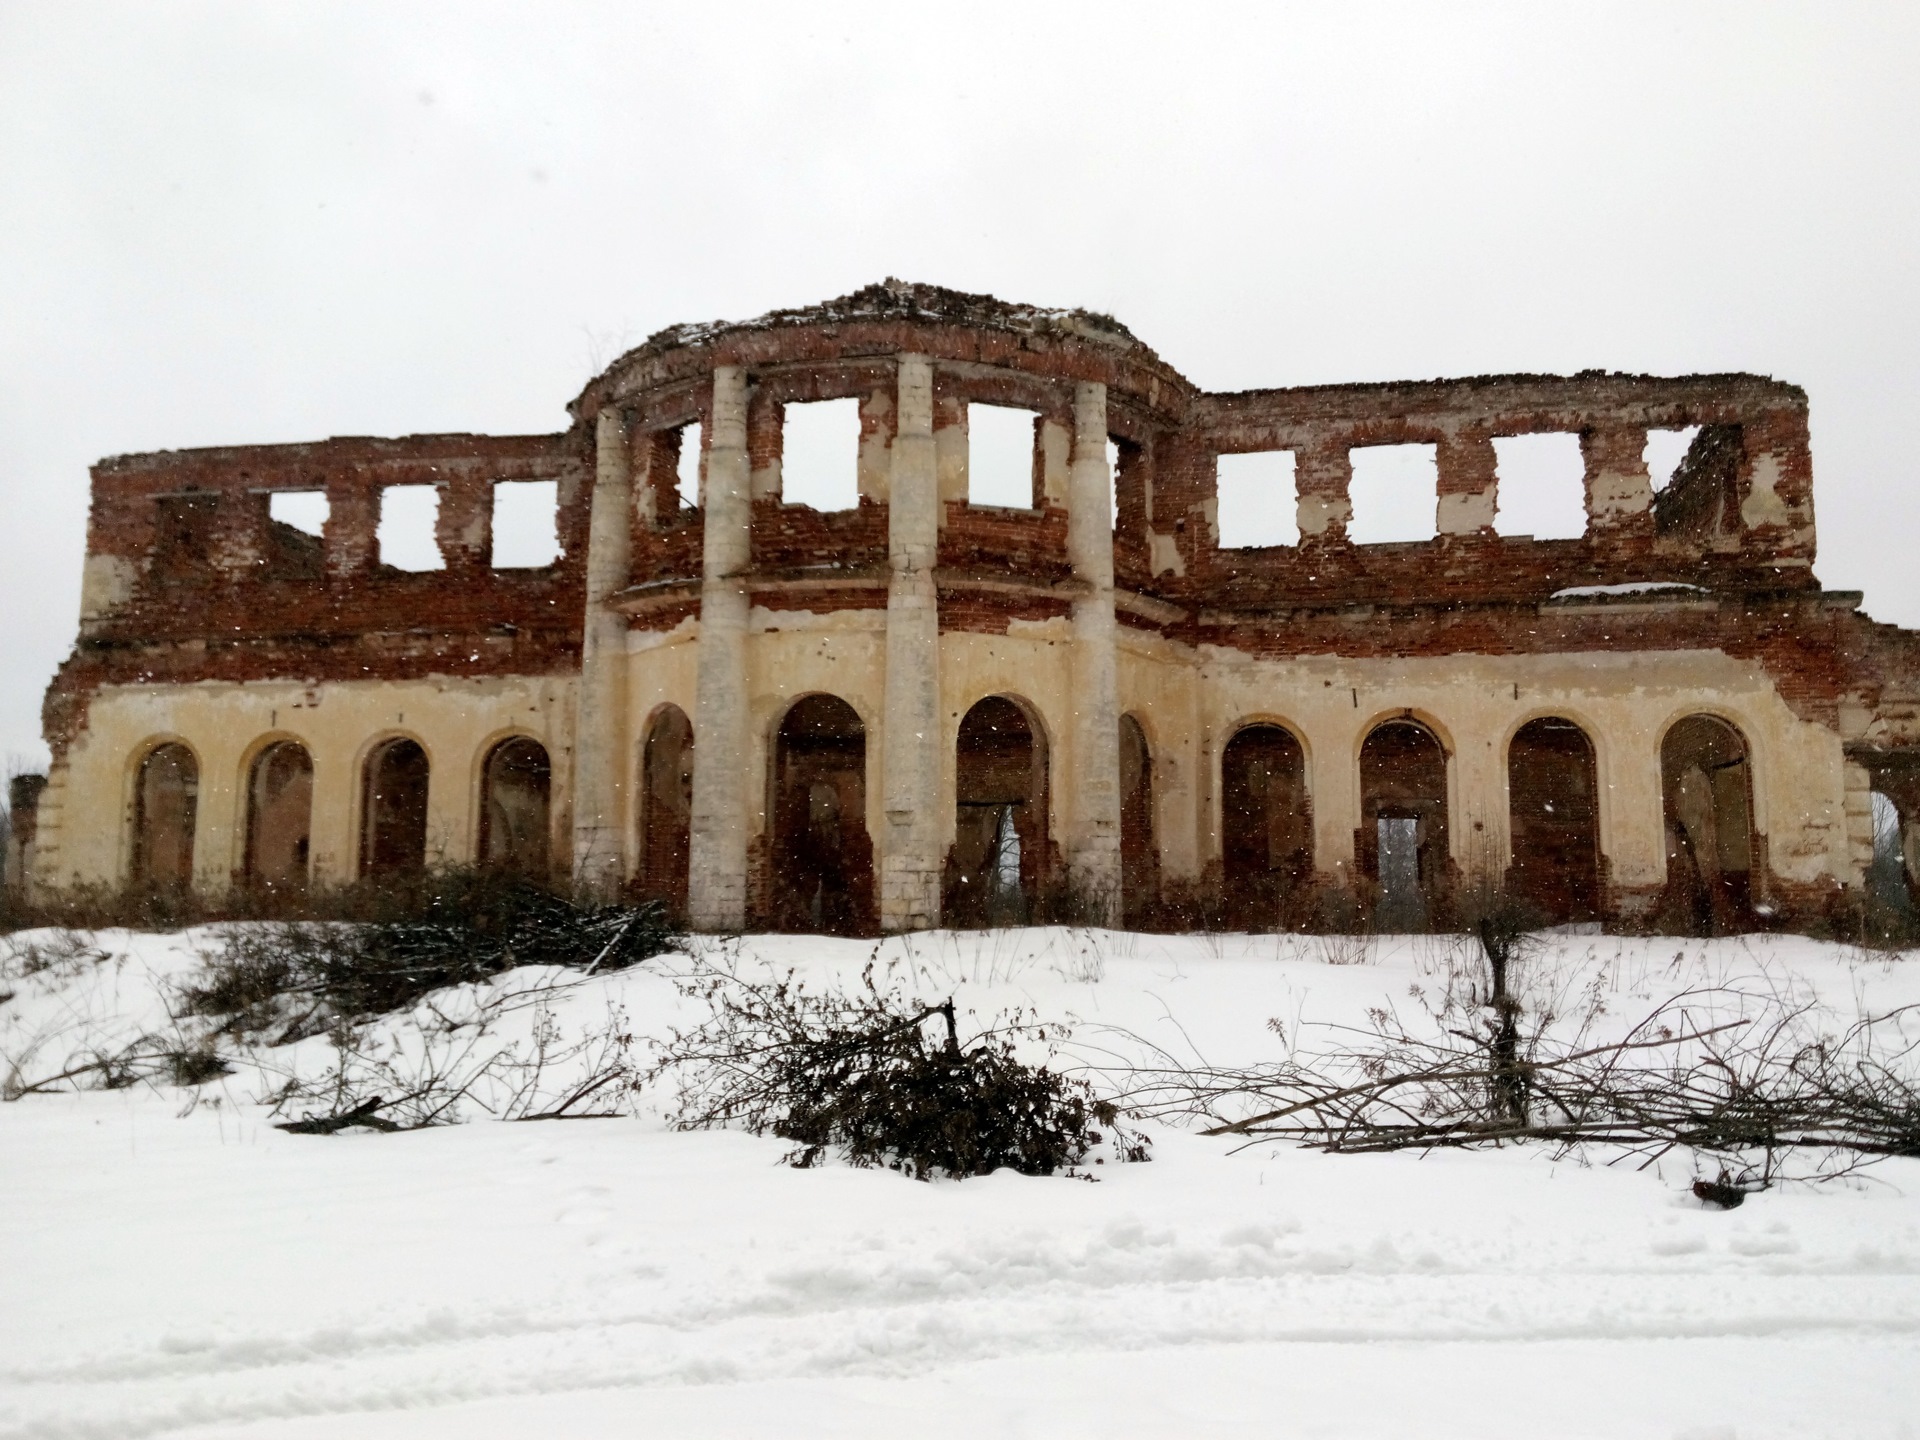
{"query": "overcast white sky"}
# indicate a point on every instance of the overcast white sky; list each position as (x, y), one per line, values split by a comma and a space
(226, 223)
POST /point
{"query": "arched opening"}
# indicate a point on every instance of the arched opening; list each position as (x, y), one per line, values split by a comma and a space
(822, 857)
(1708, 787)
(666, 805)
(1553, 804)
(166, 801)
(1889, 875)
(1139, 856)
(1266, 828)
(279, 818)
(393, 825)
(515, 809)
(1000, 861)
(1402, 844)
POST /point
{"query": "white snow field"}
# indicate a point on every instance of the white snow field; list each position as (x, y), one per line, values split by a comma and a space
(182, 1269)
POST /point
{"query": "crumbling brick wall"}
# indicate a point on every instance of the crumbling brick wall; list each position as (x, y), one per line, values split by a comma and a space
(190, 580)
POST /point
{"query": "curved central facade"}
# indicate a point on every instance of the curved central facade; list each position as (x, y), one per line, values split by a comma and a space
(1077, 703)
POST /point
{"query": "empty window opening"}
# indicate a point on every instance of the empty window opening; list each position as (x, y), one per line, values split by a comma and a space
(1403, 782)
(1000, 449)
(1395, 494)
(279, 819)
(1139, 856)
(515, 810)
(302, 510)
(409, 514)
(1554, 818)
(1890, 876)
(822, 857)
(296, 520)
(687, 472)
(820, 455)
(1259, 500)
(666, 808)
(1113, 483)
(1543, 486)
(526, 524)
(1708, 792)
(998, 867)
(166, 802)
(1665, 450)
(1266, 825)
(1701, 501)
(393, 818)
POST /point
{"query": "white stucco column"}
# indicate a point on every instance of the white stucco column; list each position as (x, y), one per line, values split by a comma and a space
(1093, 842)
(911, 733)
(599, 859)
(717, 880)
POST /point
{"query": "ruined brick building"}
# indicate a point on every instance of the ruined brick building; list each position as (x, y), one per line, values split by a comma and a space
(920, 708)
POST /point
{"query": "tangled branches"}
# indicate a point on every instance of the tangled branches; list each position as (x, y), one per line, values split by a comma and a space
(441, 1065)
(858, 1073)
(1750, 1075)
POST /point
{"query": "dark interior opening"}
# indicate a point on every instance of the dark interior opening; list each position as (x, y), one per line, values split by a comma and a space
(822, 855)
(1000, 862)
(1266, 821)
(1553, 803)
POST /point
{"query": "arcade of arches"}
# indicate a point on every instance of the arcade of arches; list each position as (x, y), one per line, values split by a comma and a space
(1003, 866)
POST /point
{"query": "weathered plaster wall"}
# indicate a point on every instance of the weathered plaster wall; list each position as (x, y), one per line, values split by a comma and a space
(84, 820)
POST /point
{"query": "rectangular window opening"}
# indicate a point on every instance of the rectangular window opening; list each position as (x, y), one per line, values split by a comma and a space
(1665, 450)
(1395, 494)
(1113, 482)
(1543, 486)
(526, 524)
(1258, 500)
(687, 480)
(820, 455)
(304, 510)
(408, 516)
(1000, 443)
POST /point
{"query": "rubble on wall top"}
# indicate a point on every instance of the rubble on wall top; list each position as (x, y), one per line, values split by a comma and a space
(894, 299)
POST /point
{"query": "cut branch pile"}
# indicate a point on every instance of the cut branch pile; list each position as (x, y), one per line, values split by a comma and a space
(300, 978)
(1724, 1071)
(858, 1074)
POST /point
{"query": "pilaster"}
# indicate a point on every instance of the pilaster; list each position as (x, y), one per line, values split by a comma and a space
(1093, 848)
(912, 736)
(717, 879)
(599, 859)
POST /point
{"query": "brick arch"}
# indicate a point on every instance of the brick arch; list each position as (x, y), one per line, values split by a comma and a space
(516, 808)
(395, 779)
(1553, 808)
(1139, 839)
(821, 871)
(1403, 845)
(164, 814)
(665, 806)
(1002, 797)
(1266, 826)
(1713, 860)
(278, 834)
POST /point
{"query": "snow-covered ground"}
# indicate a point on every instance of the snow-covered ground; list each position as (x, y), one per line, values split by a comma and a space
(172, 1268)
